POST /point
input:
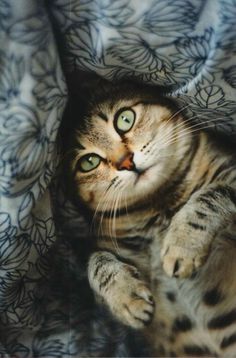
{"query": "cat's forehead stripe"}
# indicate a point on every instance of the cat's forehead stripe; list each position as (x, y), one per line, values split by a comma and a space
(104, 108)
(103, 116)
(79, 145)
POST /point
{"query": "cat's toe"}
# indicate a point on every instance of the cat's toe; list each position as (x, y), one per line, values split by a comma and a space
(138, 310)
(178, 267)
(135, 304)
(180, 262)
(129, 298)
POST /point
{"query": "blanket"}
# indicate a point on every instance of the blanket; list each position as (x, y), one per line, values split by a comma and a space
(188, 46)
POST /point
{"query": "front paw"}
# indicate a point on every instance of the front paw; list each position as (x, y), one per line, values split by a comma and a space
(130, 299)
(180, 261)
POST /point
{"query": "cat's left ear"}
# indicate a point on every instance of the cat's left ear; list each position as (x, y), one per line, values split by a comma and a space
(86, 85)
(83, 89)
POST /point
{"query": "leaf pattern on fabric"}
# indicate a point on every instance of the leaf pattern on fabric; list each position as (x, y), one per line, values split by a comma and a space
(139, 54)
(12, 69)
(188, 46)
(229, 75)
(5, 180)
(23, 142)
(50, 89)
(14, 252)
(11, 346)
(6, 229)
(32, 30)
(75, 11)
(168, 18)
(193, 53)
(13, 290)
(87, 40)
(114, 13)
(5, 13)
(227, 17)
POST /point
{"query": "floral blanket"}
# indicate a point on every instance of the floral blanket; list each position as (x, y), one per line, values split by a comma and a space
(188, 46)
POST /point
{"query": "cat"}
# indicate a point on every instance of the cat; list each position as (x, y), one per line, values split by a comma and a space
(161, 197)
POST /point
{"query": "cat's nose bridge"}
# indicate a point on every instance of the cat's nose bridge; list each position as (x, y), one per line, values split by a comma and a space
(126, 162)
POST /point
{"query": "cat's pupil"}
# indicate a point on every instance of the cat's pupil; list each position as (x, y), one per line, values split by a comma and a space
(90, 161)
(125, 119)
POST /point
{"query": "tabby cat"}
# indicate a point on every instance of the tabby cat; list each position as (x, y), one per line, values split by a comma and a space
(161, 195)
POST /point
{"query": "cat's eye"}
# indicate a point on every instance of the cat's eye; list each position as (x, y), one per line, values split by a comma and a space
(124, 120)
(88, 162)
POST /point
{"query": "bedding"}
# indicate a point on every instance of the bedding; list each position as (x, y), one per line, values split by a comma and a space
(188, 46)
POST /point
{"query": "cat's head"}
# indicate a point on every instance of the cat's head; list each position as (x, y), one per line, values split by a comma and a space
(120, 148)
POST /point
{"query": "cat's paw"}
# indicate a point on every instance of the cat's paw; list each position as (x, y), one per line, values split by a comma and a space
(180, 261)
(131, 302)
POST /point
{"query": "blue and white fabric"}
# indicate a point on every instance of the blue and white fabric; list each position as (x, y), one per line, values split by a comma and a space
(188, 46)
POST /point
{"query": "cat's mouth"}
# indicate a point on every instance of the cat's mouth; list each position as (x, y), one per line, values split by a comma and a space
(140, 173)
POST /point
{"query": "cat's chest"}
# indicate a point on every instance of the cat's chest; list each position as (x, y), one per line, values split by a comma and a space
(147, 223)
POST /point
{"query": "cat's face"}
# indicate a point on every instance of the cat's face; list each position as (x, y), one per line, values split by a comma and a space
(123, 153)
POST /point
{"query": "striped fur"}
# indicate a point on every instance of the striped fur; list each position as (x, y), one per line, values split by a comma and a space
(165, 259)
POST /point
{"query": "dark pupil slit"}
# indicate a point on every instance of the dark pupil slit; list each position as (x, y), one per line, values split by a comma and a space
(125, 119)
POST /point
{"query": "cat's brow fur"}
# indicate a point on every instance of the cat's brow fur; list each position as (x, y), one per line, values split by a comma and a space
(166, 250)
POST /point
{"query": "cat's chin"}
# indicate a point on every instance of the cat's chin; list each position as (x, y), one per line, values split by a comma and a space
(146, 182)
(147, 177)
(141, 178)
(142, 181)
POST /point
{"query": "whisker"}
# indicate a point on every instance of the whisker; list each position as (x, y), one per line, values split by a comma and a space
(114, 220)
(188, 121)
(113, 212)
(105, 199)
(189, 130)
(102, 198)
(104, 208)
(125, 198)
(178, 112)
(126, 206)
(183, 133)
(112, 182)
(116, 191)
(173, 115)
(182, 124)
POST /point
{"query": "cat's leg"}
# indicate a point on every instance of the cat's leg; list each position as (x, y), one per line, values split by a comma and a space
(120, 286)
(187, 242)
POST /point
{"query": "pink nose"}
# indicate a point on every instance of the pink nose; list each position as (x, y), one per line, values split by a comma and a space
(126, 162)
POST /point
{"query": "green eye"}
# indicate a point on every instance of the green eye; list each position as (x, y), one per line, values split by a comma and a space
(89, 162)
(125, 120)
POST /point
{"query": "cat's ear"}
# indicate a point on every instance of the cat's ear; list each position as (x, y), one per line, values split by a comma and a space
(83, 89)
(84, 86)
